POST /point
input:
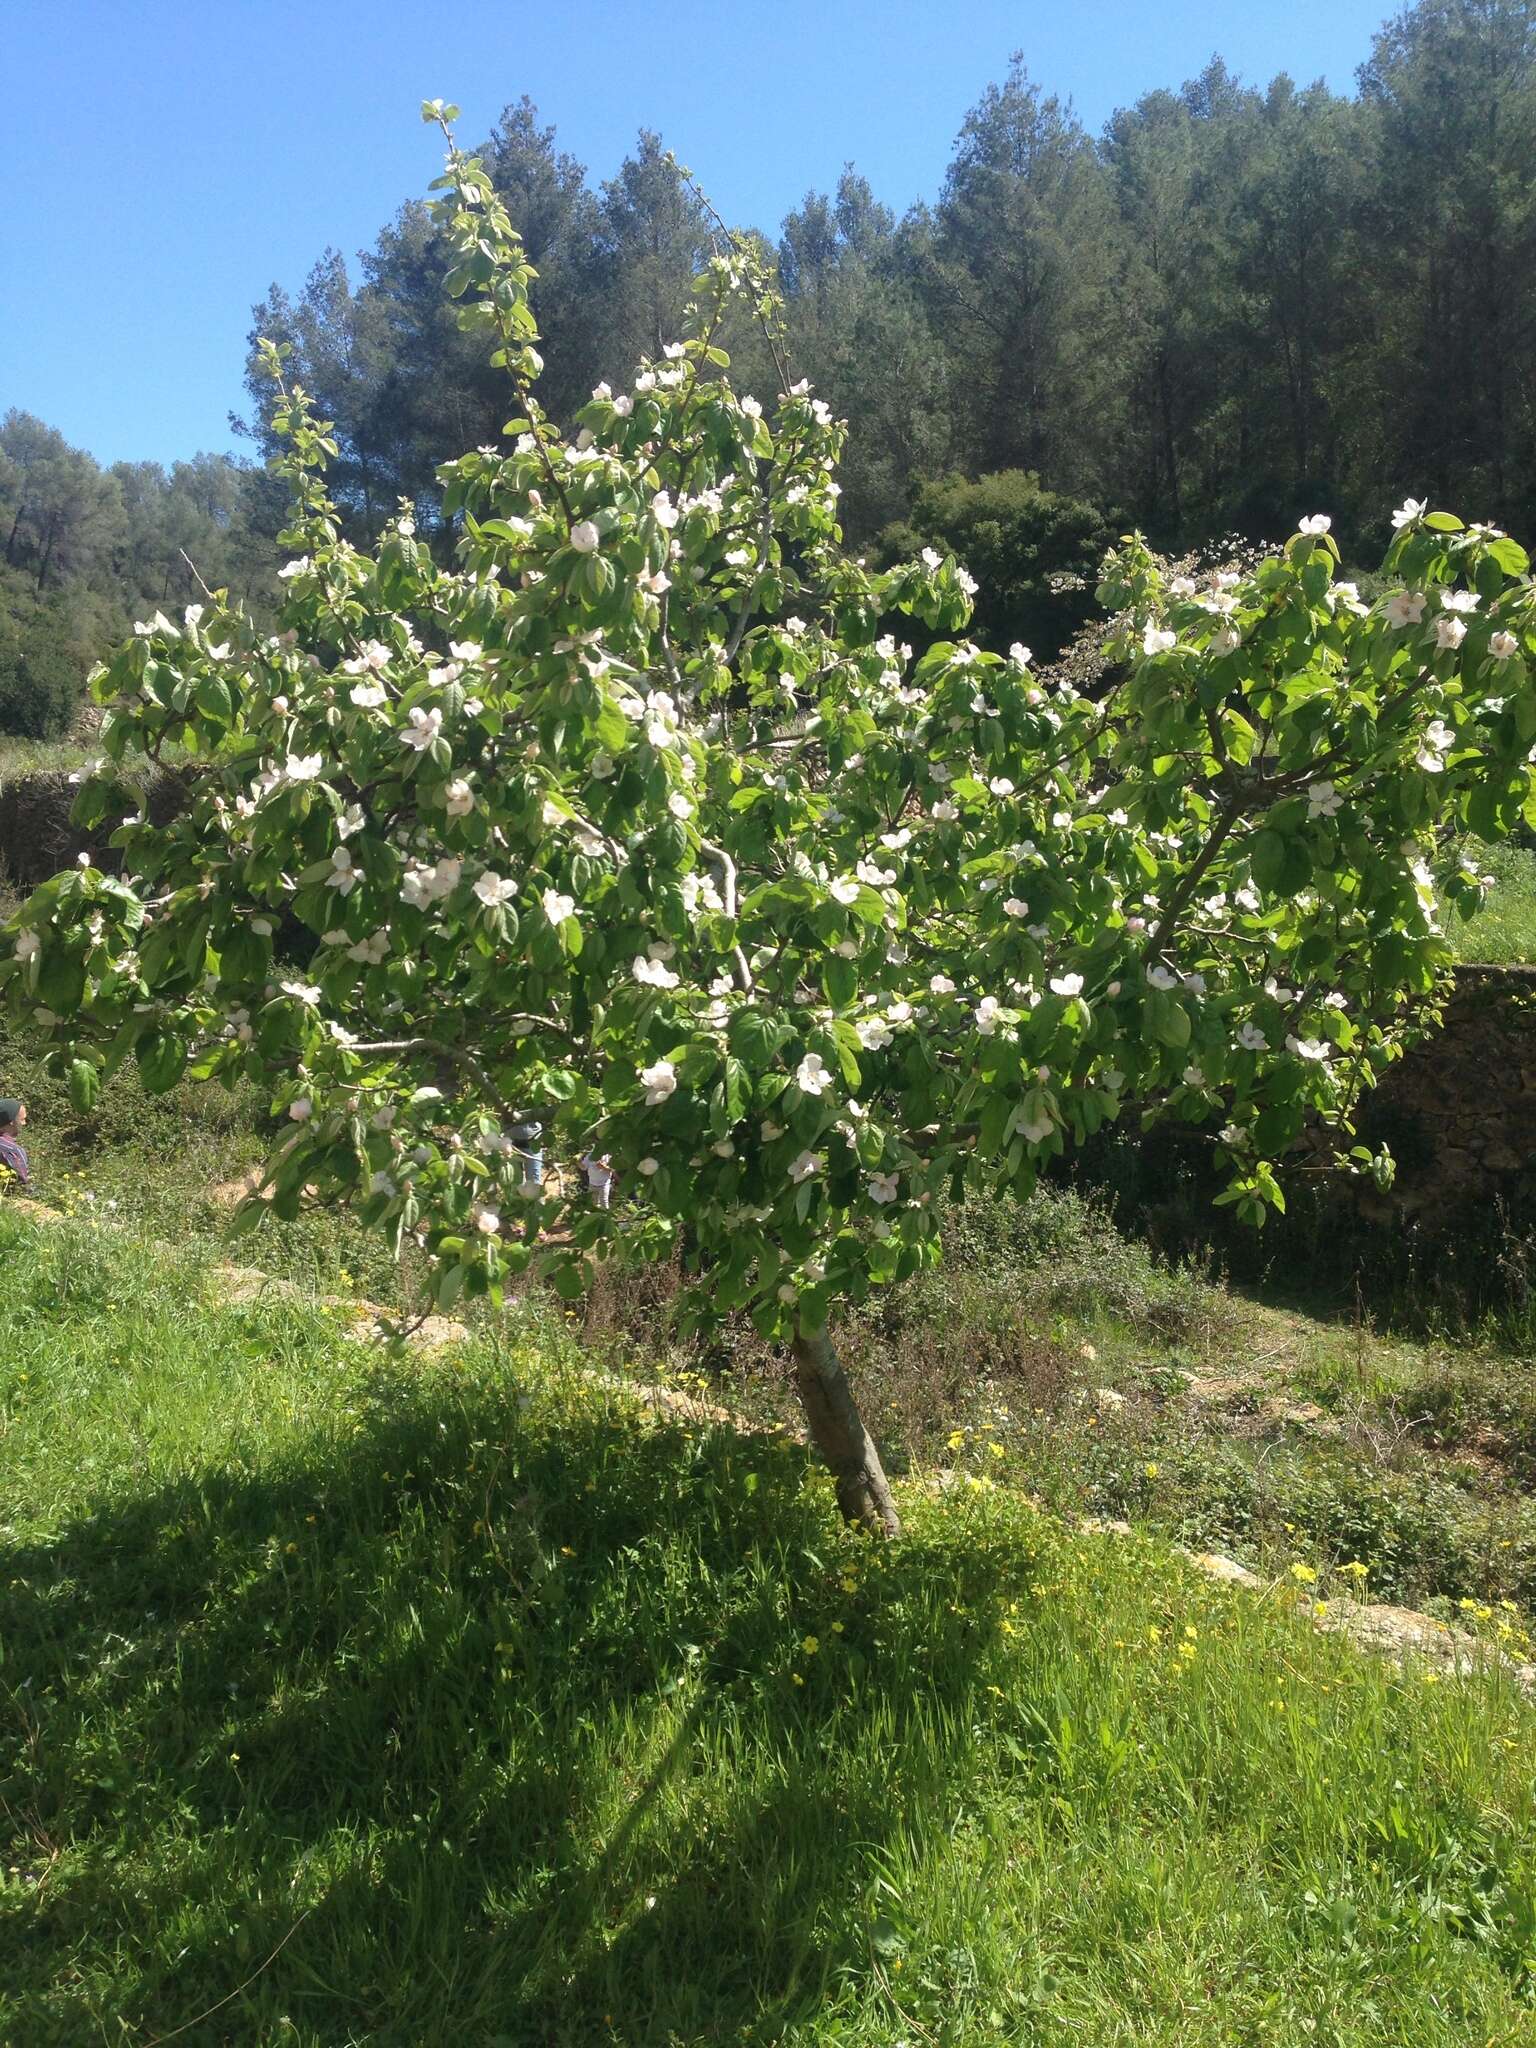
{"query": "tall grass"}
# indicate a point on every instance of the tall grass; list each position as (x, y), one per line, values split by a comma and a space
(349, 1700)
(1504, 931)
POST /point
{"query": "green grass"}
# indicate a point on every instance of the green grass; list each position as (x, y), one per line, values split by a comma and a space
(1503, 932)
(346, 1700)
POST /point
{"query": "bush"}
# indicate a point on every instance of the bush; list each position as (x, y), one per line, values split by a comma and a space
(1034, 553)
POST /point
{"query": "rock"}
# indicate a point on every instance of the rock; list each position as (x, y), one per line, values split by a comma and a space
(1109, 1398)
(1227, 1569)
(1400, 1632)
(1096, 1525)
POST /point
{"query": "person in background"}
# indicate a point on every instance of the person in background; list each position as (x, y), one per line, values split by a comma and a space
(13, 1157)
(528, 1137)
(600, 1178)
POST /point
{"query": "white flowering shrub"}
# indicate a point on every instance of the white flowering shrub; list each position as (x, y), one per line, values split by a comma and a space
(640, 822)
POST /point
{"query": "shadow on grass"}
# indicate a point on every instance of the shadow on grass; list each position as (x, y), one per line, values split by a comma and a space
(485, 1719)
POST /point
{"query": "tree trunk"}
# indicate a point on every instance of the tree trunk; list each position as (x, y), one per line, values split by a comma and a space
(838, 1432)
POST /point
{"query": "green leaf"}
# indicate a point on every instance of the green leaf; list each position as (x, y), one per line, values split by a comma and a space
(61, 981)
(162, 1055)
(1165, 1018)
(1266, 857)
(84, 1085)
(1510, 556)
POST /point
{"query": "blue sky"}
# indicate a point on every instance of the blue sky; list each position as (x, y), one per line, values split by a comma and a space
(165, 160)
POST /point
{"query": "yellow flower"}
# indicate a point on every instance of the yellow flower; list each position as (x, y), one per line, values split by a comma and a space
(837, 1628)
(1303, 1574)
(1355, 1569)
(850, 1585)
(957, 1439)
(810, 1646)
(994, 1450)
(1150, 1470)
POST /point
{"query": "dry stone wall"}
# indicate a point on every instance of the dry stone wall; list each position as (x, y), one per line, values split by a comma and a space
(1459, 1110)
(37, 837)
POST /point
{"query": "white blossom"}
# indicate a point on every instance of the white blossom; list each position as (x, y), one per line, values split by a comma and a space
(883, 1187)
(1252, 1039)
(1405, 608)
(301, 1109)
(557, 908)
(584, 537)
(653, 973)
(493, 889)
(1323, 800)
(344, 877)
(1438, 741)
(1157, 639)
(1066, 985)
(1314, 523)
(1502, 645)
(1408, 511)
(813, 1076)
(422, 728)
(1310, 1048)
(659, 1081)
(804, 1166)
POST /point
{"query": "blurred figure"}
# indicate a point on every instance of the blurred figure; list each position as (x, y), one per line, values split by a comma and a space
(13, 1157)
(600, 1178)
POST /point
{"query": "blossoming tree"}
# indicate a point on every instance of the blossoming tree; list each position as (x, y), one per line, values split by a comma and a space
(638, 820)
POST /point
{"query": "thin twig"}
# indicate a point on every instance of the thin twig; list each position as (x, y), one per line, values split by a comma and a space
(220, 2003)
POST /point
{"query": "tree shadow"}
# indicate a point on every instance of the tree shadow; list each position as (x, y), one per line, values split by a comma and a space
(487, 1723)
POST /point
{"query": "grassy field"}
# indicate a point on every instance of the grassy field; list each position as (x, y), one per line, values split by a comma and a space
(1504, 930)
(1118, 1385)
(353, 1701)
